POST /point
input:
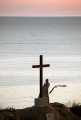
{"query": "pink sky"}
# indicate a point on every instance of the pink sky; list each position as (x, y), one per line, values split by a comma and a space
(40, 7)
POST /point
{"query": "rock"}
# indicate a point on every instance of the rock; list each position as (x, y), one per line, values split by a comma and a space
(64, 111)
(7, 115)
(56, 104)
(38, 113)
(59, 111)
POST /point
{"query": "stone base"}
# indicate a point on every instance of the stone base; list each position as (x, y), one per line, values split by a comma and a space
(40, 102)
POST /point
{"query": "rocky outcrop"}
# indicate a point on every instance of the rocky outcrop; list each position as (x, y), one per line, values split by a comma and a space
(59, 111)
(9, 115)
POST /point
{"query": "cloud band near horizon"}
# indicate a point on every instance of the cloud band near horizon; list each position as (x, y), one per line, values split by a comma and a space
(39, 9)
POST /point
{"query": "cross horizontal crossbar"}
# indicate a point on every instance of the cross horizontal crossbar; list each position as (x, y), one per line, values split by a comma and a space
(40, 66)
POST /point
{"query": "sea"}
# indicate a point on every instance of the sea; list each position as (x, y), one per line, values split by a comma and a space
(22, 41)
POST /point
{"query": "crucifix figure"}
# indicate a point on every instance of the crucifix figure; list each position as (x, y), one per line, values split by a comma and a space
(41, 73)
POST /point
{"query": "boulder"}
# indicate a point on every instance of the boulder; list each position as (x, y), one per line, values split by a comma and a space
(58, 110)
(8, 115)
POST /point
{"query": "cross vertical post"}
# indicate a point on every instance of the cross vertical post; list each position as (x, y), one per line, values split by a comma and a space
(41, 76)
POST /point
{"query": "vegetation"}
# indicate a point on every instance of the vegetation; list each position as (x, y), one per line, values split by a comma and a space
(76, 108)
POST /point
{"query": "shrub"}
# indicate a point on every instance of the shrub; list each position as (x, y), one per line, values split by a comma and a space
(76, 108)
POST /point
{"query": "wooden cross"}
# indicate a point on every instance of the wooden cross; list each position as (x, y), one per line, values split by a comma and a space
(41, 72)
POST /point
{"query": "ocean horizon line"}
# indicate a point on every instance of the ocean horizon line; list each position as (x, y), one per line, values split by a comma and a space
(40, 16)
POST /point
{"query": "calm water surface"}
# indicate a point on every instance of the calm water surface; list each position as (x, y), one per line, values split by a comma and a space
(22, 40)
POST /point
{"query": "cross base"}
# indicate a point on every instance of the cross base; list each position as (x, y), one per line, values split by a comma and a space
(40, 102)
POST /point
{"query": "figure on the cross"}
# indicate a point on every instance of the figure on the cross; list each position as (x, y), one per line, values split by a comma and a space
(45, 88)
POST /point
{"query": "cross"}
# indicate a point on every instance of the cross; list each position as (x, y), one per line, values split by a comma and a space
(41, 72)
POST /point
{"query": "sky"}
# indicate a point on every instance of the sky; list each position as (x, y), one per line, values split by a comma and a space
(40, 7)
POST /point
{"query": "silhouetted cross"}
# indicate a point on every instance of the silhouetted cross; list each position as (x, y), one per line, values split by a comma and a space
(41, 72)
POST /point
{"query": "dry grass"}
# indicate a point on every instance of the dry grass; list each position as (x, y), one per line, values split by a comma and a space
(76, 108)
